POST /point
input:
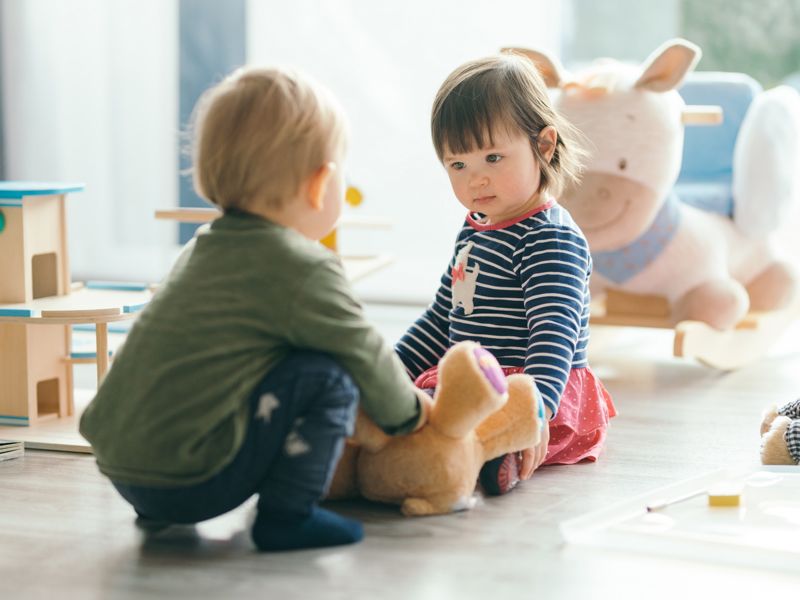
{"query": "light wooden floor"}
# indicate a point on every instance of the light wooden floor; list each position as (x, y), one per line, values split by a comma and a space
(64, 533)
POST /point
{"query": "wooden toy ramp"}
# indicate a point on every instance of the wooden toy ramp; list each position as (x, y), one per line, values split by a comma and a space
(356, 266)
(748, 341)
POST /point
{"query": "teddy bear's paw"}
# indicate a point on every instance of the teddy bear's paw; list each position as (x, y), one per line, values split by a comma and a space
(418, 507)
(439, 504)
(768, 417)
(465, 503)
(471, 386)
(774, 450)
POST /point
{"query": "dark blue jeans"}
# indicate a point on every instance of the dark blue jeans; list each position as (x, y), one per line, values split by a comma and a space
(301, 413)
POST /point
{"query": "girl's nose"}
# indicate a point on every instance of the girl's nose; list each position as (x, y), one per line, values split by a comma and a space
(477, 180)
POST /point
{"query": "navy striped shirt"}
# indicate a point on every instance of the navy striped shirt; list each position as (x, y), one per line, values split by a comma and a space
(521, 289)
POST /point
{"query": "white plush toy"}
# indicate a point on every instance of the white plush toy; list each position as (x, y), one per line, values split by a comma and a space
(644, 239)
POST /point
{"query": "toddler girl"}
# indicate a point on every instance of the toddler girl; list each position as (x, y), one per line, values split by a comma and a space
(518, 281)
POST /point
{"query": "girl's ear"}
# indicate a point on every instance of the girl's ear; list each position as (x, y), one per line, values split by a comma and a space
(317, 184)
(546, 140)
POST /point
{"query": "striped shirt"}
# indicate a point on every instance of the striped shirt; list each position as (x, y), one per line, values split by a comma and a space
(520, 289)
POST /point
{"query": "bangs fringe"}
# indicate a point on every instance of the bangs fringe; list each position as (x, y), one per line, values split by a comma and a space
(469, 117)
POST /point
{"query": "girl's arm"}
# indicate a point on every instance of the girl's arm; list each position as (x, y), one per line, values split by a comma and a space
(426, 341)
(554, 264)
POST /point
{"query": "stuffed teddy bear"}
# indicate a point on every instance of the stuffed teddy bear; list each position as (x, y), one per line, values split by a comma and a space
(478, 414)
(644, 240)
(780, 435)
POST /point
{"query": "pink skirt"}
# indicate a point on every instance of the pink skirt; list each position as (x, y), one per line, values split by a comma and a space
(578, 431)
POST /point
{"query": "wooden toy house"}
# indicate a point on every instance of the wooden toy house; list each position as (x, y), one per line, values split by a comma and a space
(35, 379)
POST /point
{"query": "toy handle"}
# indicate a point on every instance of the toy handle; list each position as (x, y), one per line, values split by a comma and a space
(700, 114)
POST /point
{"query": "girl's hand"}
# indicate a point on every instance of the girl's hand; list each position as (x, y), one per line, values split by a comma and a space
(532, 458)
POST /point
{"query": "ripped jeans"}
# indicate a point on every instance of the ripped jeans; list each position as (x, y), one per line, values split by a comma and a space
(301, 413)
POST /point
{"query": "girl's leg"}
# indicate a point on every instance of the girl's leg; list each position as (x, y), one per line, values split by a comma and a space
(500, 475)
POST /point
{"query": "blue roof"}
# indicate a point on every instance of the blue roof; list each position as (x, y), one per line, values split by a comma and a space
(18, 189)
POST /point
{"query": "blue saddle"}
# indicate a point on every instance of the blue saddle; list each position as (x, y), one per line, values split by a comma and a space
(706, 175)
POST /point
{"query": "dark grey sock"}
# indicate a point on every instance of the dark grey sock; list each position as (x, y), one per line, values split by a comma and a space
(151, 526)
(275, 531)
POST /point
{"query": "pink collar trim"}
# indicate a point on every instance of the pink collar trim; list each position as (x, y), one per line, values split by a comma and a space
(549, 203)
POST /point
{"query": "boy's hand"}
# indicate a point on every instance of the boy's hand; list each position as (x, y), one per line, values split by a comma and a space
(532, 458)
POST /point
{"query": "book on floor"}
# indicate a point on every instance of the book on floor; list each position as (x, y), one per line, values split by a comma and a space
(9, 450)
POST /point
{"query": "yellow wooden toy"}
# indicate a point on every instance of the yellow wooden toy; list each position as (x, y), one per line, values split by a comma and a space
(356, 267)
(354, 198)
(724, 499)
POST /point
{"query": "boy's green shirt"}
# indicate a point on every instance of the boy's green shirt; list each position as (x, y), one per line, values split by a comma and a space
(173, 409)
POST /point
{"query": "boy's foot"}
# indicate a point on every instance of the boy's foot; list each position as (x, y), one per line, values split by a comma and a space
(293, 531)
(150, 526)
(500, 475)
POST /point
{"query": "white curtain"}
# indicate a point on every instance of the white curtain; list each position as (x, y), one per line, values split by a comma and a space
(90, 95)
(385, 61)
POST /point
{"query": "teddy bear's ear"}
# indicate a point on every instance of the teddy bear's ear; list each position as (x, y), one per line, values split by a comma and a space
(548, 66)
(667, 66)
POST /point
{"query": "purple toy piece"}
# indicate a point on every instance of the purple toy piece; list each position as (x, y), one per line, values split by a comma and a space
(491, 370)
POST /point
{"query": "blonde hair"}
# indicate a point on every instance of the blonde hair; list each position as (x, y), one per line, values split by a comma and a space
(259, 133)
(504, 91)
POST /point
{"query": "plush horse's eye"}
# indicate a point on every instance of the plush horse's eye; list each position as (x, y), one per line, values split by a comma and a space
(623, 164)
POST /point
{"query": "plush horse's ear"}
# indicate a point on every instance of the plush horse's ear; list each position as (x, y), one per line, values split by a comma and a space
(550, 67)
(667, 66)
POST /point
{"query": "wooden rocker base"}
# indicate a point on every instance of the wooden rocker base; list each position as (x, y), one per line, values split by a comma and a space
(748, 341)
(727, 350)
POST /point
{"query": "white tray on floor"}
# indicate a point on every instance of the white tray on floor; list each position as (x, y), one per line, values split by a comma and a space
(763, 531)
(54, 434)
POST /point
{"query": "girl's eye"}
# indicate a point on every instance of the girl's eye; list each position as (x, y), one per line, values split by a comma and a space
(493, 158)
(458, 165)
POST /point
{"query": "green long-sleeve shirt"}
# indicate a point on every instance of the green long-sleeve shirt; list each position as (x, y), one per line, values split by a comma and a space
(173, 408)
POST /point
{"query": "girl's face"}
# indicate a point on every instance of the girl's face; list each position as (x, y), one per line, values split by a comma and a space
(501, 181)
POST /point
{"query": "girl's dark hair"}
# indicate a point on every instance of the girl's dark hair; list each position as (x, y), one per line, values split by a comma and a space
(504, 91)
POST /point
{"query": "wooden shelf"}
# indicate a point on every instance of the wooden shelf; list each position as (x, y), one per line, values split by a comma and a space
(82, 305)
(358, 267)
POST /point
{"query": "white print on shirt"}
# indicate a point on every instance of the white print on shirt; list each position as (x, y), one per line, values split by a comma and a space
(464, 278)
(295, 444)
(266, 404)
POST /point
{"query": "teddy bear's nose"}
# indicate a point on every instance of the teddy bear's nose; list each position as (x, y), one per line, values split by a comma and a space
(603, 193)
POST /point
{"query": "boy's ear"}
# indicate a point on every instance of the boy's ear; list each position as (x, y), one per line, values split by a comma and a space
(318, 183)
(546, 140)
